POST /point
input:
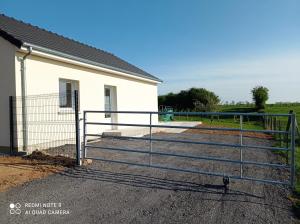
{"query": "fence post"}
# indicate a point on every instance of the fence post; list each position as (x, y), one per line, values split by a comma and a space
(241, 144)
(272, 124)
(11, 124)
(293, 148)
(288, 127)
(150, 159)
(280, 134)
(77, 127)
(24, 123)
(84, 134)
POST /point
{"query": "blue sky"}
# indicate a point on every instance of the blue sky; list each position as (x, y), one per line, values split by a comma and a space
(225, 46)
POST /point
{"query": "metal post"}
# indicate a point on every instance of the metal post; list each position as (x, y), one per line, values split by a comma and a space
(77, 127)
(24, 105)
(293, 130)
(11, 124)
(241, 144)
(150, 158)
(288, 130)
(84, 134)
(24, 124)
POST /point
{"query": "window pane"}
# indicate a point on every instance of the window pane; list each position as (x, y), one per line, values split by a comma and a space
(68, 94)
(107, 102)
(62, 93)
(107, 92)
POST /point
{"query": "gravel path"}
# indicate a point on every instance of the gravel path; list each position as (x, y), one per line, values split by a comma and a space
(114, 193)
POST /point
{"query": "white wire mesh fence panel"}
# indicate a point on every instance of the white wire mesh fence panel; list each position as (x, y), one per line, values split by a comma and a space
(45, 123)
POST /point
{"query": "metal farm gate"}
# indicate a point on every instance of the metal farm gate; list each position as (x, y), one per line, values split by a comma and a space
(152, 132)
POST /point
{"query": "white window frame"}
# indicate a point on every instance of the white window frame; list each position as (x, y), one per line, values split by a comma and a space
(63, 95)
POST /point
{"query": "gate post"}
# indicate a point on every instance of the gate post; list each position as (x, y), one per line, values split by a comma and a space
(11, 124)
(293, 148)
(286, 138)
(241, 144)
(150, 159)
(84, 135)
(77, 129)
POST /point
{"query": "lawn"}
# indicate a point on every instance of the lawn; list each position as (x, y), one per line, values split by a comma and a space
(230, 122)
(283, 108)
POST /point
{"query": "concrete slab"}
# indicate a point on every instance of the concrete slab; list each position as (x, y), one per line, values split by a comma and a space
(178, 123)
(141, 131)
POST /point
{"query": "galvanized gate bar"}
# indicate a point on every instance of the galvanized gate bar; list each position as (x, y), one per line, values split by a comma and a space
(190, 113)
(191, 156)
(192, 142)
(193, 171)
(188, 127)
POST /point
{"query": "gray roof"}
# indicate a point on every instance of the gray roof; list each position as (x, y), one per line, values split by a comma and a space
(18, 33)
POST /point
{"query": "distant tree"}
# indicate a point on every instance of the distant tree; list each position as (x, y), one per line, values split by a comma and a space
(161, 100)
(260, 96)
(167, 100)
(194, 99)
(203, 100)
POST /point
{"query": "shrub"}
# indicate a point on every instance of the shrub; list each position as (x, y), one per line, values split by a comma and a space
(194, 99)
(260, 96)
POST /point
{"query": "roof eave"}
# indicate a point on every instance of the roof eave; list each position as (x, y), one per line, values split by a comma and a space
(18, 43)
(71, 57)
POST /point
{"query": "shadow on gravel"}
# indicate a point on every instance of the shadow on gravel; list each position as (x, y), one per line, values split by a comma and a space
(145, 181)
(150, 182)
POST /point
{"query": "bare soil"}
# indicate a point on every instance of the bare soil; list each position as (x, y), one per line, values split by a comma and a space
(16, 170)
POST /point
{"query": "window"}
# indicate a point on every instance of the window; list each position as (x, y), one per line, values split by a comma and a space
(66, 92)
(107, 101)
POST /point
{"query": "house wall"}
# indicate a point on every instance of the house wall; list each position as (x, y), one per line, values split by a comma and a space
(7, 88)
(43, 74)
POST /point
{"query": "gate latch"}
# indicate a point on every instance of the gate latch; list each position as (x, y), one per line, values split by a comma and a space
(226, 183)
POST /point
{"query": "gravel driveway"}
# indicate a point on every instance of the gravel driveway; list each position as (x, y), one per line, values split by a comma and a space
(114, 193)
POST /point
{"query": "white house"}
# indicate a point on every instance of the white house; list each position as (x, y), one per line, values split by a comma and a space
(34, 61)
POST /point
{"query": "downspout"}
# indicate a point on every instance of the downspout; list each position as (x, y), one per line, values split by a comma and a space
(24, 94)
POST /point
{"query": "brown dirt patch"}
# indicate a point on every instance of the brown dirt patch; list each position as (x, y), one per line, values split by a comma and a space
(54, 160)
(245, 134)
(16, 170)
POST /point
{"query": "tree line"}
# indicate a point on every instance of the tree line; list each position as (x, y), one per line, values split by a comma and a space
(201, 99)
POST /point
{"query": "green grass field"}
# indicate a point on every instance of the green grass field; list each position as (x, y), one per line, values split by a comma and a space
(222, 122)
(271, 108)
